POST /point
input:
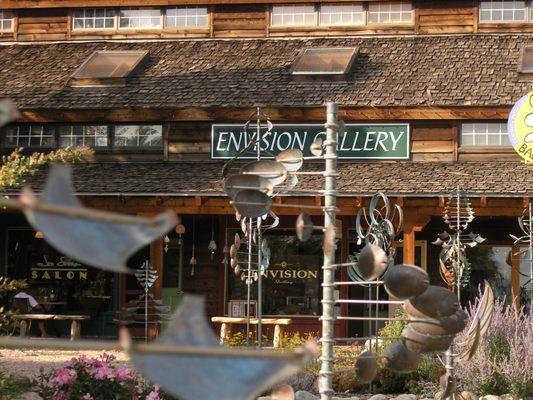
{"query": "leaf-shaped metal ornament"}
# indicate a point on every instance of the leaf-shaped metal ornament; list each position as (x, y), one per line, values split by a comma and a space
(479, 326)
(8, 112)
(188, 362)
(97, 238)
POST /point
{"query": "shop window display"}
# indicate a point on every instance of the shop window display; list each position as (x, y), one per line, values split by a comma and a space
(291, 285)
(61, 285)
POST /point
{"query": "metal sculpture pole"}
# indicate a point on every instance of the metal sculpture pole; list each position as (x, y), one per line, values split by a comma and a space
(259, 250)
(328, 285)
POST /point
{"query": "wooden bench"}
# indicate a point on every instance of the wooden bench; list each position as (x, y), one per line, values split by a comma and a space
(75, 327)
(228, 322)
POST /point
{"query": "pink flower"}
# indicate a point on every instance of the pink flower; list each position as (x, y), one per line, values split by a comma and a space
(123, 374)
(102, 373)
(87, 397)
(108, 357)
(70, 363)
(64, 376)
(62, 396)
(153, 396)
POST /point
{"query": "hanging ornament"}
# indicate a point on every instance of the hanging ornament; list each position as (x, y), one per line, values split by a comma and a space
(225, 250)
(212, 247)
(193, 261)
(166, 239)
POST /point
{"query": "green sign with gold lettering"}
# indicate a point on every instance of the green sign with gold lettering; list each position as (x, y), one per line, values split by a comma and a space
(360, 141)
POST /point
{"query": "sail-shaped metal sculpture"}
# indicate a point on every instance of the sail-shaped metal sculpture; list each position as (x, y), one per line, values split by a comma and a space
(525, 222)
(209, 371)
(100, 239)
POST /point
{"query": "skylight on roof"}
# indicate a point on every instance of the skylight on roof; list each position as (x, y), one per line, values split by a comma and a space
(108, 68)
(526, 60)
(324, 61)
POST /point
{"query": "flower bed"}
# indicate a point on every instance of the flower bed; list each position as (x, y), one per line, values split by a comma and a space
(95, 379)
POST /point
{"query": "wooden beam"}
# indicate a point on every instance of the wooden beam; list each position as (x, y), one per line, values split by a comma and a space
(484, 202)
(408, 244)
(283, 114)
(198, 201)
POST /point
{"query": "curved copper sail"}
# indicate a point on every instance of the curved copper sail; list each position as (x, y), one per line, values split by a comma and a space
(103, 242)
(226, 374)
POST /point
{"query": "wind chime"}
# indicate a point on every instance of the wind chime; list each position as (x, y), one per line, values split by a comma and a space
(453, 263)
(193, 261)
(525, 222)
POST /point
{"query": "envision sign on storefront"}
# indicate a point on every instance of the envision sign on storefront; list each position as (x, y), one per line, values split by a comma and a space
(360, 141)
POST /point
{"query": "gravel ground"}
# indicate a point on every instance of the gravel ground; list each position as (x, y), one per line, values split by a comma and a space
(26, 363)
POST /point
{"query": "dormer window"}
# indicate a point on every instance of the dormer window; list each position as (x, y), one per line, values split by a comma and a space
(6, 21)
(108, 68)
(324, 61)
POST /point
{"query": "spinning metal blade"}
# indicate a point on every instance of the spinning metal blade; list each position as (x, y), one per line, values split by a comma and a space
(206, 370)
(92, 237)
(236, 183)
(292, 159)
(252, 203)
(274, 171)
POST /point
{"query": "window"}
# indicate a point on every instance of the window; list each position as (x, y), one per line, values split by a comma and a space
(30, 136)
(390, 12)
(294, 15)
(6, 21)
(526, 60)
(502, 10)
(186, 17)
(138, 136)
(93, 18)
(140, 18)
(324, 61)
(108, 68)
(484, 134)
(342, 14)
(80, 135)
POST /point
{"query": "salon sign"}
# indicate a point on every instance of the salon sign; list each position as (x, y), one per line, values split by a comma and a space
(360, 141)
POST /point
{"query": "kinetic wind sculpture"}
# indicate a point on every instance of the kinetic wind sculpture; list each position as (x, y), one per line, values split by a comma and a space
(253, 186)
(146, 275)
(377, 228)
(525, 222)
(454, 266)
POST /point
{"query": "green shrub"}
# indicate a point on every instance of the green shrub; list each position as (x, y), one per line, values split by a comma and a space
(11, 387)
(8, 287)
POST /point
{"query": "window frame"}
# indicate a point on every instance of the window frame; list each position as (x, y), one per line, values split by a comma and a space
(316, 7)
(366, 20)
(521, 70)
(475, 146)
(73, 19)
(3, 21)
(187, 28)
(142, 28)
(528, 15)
(109, 148)
(363, 11)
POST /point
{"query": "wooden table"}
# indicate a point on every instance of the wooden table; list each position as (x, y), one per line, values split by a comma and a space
(228, 322)
(75, 327)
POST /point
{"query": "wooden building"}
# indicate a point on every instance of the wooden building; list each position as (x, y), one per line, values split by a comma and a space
(154, 86)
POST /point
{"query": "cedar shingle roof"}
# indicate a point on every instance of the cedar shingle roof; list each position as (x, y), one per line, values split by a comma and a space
(464, 70)
(495, 178)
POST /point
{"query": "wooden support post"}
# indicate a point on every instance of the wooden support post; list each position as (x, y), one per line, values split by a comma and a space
(408, 244)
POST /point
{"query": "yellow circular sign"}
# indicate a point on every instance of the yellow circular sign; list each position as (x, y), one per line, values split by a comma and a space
(520, 127)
